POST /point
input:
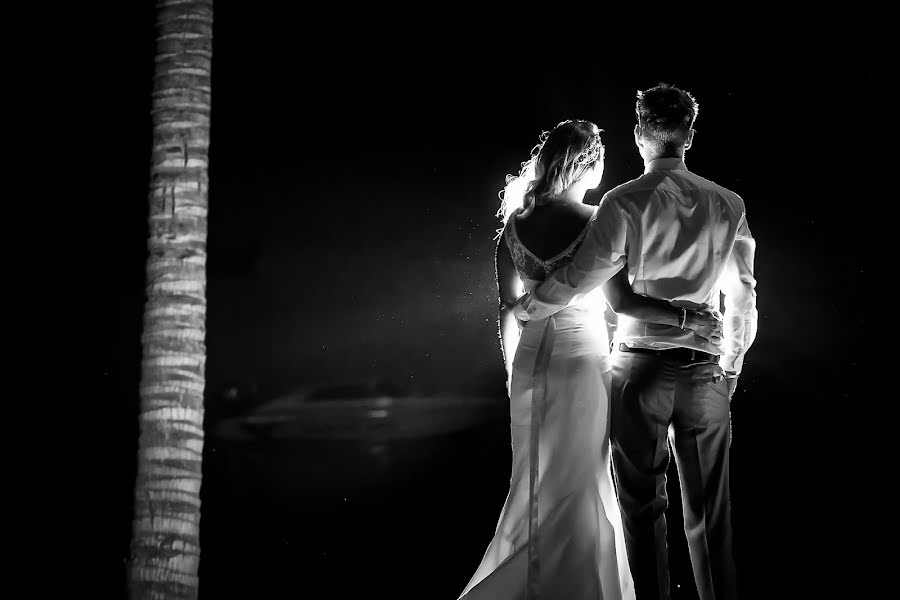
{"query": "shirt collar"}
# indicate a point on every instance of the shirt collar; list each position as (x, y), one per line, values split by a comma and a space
(665, 164)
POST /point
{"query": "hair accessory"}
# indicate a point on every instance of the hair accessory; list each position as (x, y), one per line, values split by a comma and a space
(591, 153)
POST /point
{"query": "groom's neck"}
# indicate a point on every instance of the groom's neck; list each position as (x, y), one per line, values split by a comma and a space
(677, 153)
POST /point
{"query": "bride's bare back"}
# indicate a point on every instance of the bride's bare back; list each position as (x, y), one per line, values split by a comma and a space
(552, 228)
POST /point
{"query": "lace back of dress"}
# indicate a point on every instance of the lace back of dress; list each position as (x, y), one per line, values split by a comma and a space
(530, 266)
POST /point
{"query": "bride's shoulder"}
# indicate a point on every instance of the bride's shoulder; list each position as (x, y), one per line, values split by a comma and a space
(586, 210)
(582, 213)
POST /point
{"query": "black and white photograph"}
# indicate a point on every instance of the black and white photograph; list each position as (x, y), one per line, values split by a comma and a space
(438, 306)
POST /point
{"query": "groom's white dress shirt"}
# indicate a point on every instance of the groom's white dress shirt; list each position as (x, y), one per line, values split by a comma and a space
(683, 239)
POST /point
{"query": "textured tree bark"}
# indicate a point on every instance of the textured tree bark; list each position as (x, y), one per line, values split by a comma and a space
(165, 548)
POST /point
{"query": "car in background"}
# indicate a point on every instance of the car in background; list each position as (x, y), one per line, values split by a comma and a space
(369, 411)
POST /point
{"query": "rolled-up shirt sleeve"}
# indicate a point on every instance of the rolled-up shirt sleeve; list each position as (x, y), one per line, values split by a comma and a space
(601, 255)
(739, 286)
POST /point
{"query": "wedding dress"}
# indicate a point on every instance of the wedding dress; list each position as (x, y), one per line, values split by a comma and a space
(560, 532)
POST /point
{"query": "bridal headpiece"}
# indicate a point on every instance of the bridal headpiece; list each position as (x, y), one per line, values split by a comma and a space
(592, 151)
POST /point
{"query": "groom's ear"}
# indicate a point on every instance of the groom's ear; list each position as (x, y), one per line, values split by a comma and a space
(690, 139)
(637, 135)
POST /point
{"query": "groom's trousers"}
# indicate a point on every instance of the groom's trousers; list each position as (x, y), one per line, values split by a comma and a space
(660, 398)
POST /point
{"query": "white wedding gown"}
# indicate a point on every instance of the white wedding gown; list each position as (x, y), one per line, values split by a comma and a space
(560, 532)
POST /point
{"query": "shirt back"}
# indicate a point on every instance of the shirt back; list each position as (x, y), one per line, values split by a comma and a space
(681, 232)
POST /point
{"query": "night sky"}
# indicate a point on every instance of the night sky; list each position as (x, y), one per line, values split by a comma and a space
(354, 178)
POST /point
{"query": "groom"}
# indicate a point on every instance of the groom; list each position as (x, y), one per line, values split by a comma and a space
(684, 239)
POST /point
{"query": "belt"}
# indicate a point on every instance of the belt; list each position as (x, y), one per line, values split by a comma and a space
(685, 354)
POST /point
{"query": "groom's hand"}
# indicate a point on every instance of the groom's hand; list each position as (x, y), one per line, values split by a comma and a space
(731, 380)
(519, 311)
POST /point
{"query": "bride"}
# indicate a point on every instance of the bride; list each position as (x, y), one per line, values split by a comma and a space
(560, 532)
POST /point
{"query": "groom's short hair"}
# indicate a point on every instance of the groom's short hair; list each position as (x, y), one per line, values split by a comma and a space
(665, 116)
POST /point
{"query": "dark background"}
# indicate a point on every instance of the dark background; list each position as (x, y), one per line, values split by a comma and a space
(354, 178)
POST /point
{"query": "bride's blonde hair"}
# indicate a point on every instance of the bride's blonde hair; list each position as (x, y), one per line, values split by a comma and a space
(560, 158)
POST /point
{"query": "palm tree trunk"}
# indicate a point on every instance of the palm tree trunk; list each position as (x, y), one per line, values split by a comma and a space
(165, 548)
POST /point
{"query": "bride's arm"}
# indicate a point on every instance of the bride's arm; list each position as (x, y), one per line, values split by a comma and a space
(509, 287)
(624, 301)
